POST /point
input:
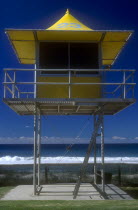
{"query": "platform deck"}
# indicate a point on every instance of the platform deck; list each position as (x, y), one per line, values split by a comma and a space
(68, 106)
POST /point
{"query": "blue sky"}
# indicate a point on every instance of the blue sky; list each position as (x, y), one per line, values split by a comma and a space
(100, 15)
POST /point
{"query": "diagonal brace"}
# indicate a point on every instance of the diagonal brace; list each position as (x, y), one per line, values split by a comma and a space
(87, 156)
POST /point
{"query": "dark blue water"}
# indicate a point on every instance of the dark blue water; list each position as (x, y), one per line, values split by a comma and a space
(79, 150)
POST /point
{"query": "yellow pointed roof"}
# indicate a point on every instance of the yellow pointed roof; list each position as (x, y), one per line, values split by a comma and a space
(68, 22)
(69, 29)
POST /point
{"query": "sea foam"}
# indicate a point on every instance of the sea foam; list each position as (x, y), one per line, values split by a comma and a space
(16, 160)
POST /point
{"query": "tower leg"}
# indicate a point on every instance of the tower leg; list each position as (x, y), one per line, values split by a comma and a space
(35, 149)
(39, 147)
(102, 153)
(87, 156)
(95, 166)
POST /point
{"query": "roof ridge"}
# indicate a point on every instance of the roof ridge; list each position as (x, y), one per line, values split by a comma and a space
(69, 22)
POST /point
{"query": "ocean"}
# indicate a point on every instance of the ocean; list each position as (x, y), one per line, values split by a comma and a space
(61, 153)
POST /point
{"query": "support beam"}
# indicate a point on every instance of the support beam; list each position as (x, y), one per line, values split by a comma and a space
(102, 153)
(78, 107)
(95, 162)
(58, 108)
(39, 146)
(87, 156)
(35, 115)
(35, 149)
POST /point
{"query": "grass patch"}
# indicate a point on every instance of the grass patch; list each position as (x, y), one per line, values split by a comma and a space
(70, 205)
(4, 190)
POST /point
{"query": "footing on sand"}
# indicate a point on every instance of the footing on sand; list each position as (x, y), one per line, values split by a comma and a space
(65, 192)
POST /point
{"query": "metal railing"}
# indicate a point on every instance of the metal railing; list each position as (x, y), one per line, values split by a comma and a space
(13, 89)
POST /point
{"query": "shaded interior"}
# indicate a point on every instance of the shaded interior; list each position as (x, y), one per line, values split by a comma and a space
(61, 55)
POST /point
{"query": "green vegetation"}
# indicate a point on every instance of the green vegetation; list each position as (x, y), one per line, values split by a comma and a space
(69, 205)
(4, 190)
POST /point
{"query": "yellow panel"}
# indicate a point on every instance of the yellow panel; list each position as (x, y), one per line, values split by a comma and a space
(20, 35)
(116, 36)
(61, 91)
(25, 49)
(111, 46)
(27, 61)
(69, 35)
(52, 91)
(107, 62)
(111, 49)
(86, 91)
(68, 22)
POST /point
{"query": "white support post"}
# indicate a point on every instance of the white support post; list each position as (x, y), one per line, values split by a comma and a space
(35, 80)
(102, 153)
(13, 85)
(35, 149)
(124, 86)
(36, 63)
(69, 75)
(39, 147)
(87, 156)
(103, 87)
(69, 84)
(36, 174)
(95, 166)
(5, 80)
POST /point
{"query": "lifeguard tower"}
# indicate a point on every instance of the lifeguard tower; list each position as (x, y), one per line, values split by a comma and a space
(72, 75)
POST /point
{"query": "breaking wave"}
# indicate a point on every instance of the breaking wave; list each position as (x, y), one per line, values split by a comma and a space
(16, 160)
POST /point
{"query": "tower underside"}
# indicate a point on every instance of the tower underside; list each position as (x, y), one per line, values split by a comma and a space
(71, 94)
(68, 106)
(97, 131)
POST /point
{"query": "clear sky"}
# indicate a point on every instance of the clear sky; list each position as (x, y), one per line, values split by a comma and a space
(100, 15)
